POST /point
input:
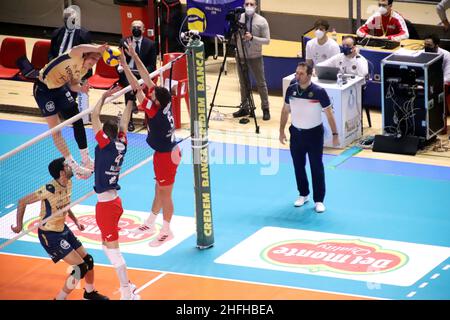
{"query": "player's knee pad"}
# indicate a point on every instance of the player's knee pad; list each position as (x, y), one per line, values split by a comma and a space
(80, 271)
(89, 260)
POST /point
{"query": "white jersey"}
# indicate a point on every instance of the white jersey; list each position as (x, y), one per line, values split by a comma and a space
(318, 53)
(306, 105)
(446, 64)
(357, 65)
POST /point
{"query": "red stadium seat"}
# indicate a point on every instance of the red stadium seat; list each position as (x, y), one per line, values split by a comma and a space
(39, 57)
(104, 77)
(11, 49)
(180, 74)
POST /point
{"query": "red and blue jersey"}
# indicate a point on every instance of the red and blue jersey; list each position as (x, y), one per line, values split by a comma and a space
(306, 105)
(160, 125)
(109, 156)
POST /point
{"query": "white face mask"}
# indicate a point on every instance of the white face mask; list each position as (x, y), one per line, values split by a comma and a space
(249, 10)
(382, 10)
(70, 22)
(319, 34)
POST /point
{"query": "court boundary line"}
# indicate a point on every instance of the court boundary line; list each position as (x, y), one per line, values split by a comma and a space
(149, 283)
(217, 278)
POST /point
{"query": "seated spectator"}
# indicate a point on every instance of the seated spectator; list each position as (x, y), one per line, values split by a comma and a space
(431, 44)
(385, 24)
(349, 61)
(321, 47)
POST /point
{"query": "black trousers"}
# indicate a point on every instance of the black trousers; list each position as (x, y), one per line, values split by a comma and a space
(78, 126)
(63, 101)
(308, 141)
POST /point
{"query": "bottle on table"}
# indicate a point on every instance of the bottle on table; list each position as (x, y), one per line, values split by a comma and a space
(340, 80)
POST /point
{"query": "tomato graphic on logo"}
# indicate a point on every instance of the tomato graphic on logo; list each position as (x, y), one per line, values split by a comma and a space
(91, 233)
(340, 256)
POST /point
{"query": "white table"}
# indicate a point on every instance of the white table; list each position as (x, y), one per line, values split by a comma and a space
(346, 101)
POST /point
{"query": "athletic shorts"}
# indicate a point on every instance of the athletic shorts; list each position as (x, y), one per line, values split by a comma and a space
(165, 165)
(58, 244)
(53, 101)
(108, 216)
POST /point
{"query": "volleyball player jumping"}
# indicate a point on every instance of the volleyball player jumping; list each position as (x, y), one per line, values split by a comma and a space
(156, 104)
(109, 156)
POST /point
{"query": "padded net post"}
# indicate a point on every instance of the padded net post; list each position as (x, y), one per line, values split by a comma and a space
(199, 142)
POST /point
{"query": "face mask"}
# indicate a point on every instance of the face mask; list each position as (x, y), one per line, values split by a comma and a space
(382, 10)
(249, 10)
(430, 49)
(70, 22)
(136, 32)
(319, 34)
(346, 50)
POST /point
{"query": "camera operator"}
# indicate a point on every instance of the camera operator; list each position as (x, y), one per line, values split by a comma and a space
(254, 35)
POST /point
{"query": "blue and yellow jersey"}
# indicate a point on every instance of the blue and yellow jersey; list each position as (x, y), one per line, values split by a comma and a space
(62, 70)
(54, 197)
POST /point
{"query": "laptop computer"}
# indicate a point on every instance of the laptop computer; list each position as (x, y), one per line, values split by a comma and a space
(26, 68)
(326, 73)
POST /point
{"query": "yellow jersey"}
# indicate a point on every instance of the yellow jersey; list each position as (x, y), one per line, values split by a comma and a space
(62, 70)
(54, 197)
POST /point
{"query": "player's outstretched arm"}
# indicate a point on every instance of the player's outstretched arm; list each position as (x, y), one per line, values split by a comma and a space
(131, 78)
(95, 117)
(143, 72)
(125, 120)
(31, 198)
(85, 48)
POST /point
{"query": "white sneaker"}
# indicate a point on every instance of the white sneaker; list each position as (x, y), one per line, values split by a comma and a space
(320, 207)
(301, 201)
(163, 237)
(144, 228)
(78, 171)
(89, 164)
(128, 293)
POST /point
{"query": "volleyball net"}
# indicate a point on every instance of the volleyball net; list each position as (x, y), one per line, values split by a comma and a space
(24, 169)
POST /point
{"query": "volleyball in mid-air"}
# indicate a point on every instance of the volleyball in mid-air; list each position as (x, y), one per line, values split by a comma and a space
(111, 57)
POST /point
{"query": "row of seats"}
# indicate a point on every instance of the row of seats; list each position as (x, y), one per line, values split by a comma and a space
(13, 48)
(104, 76)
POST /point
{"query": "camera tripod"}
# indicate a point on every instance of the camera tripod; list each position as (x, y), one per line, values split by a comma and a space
(243, 69)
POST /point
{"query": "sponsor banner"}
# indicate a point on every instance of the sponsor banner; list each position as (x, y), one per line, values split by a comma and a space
(335, 255)
(182, 228)
(209, 18)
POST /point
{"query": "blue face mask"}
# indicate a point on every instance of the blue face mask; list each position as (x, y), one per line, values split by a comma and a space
(346, 50)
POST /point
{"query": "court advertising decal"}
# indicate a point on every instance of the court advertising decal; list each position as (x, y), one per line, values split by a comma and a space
(182, 227)
(336, 255)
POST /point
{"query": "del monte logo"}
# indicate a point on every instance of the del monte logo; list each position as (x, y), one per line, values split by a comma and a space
(91, 233)
(334, 255)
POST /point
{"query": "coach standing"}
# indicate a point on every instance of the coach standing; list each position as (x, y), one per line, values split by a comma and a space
(305, 101)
